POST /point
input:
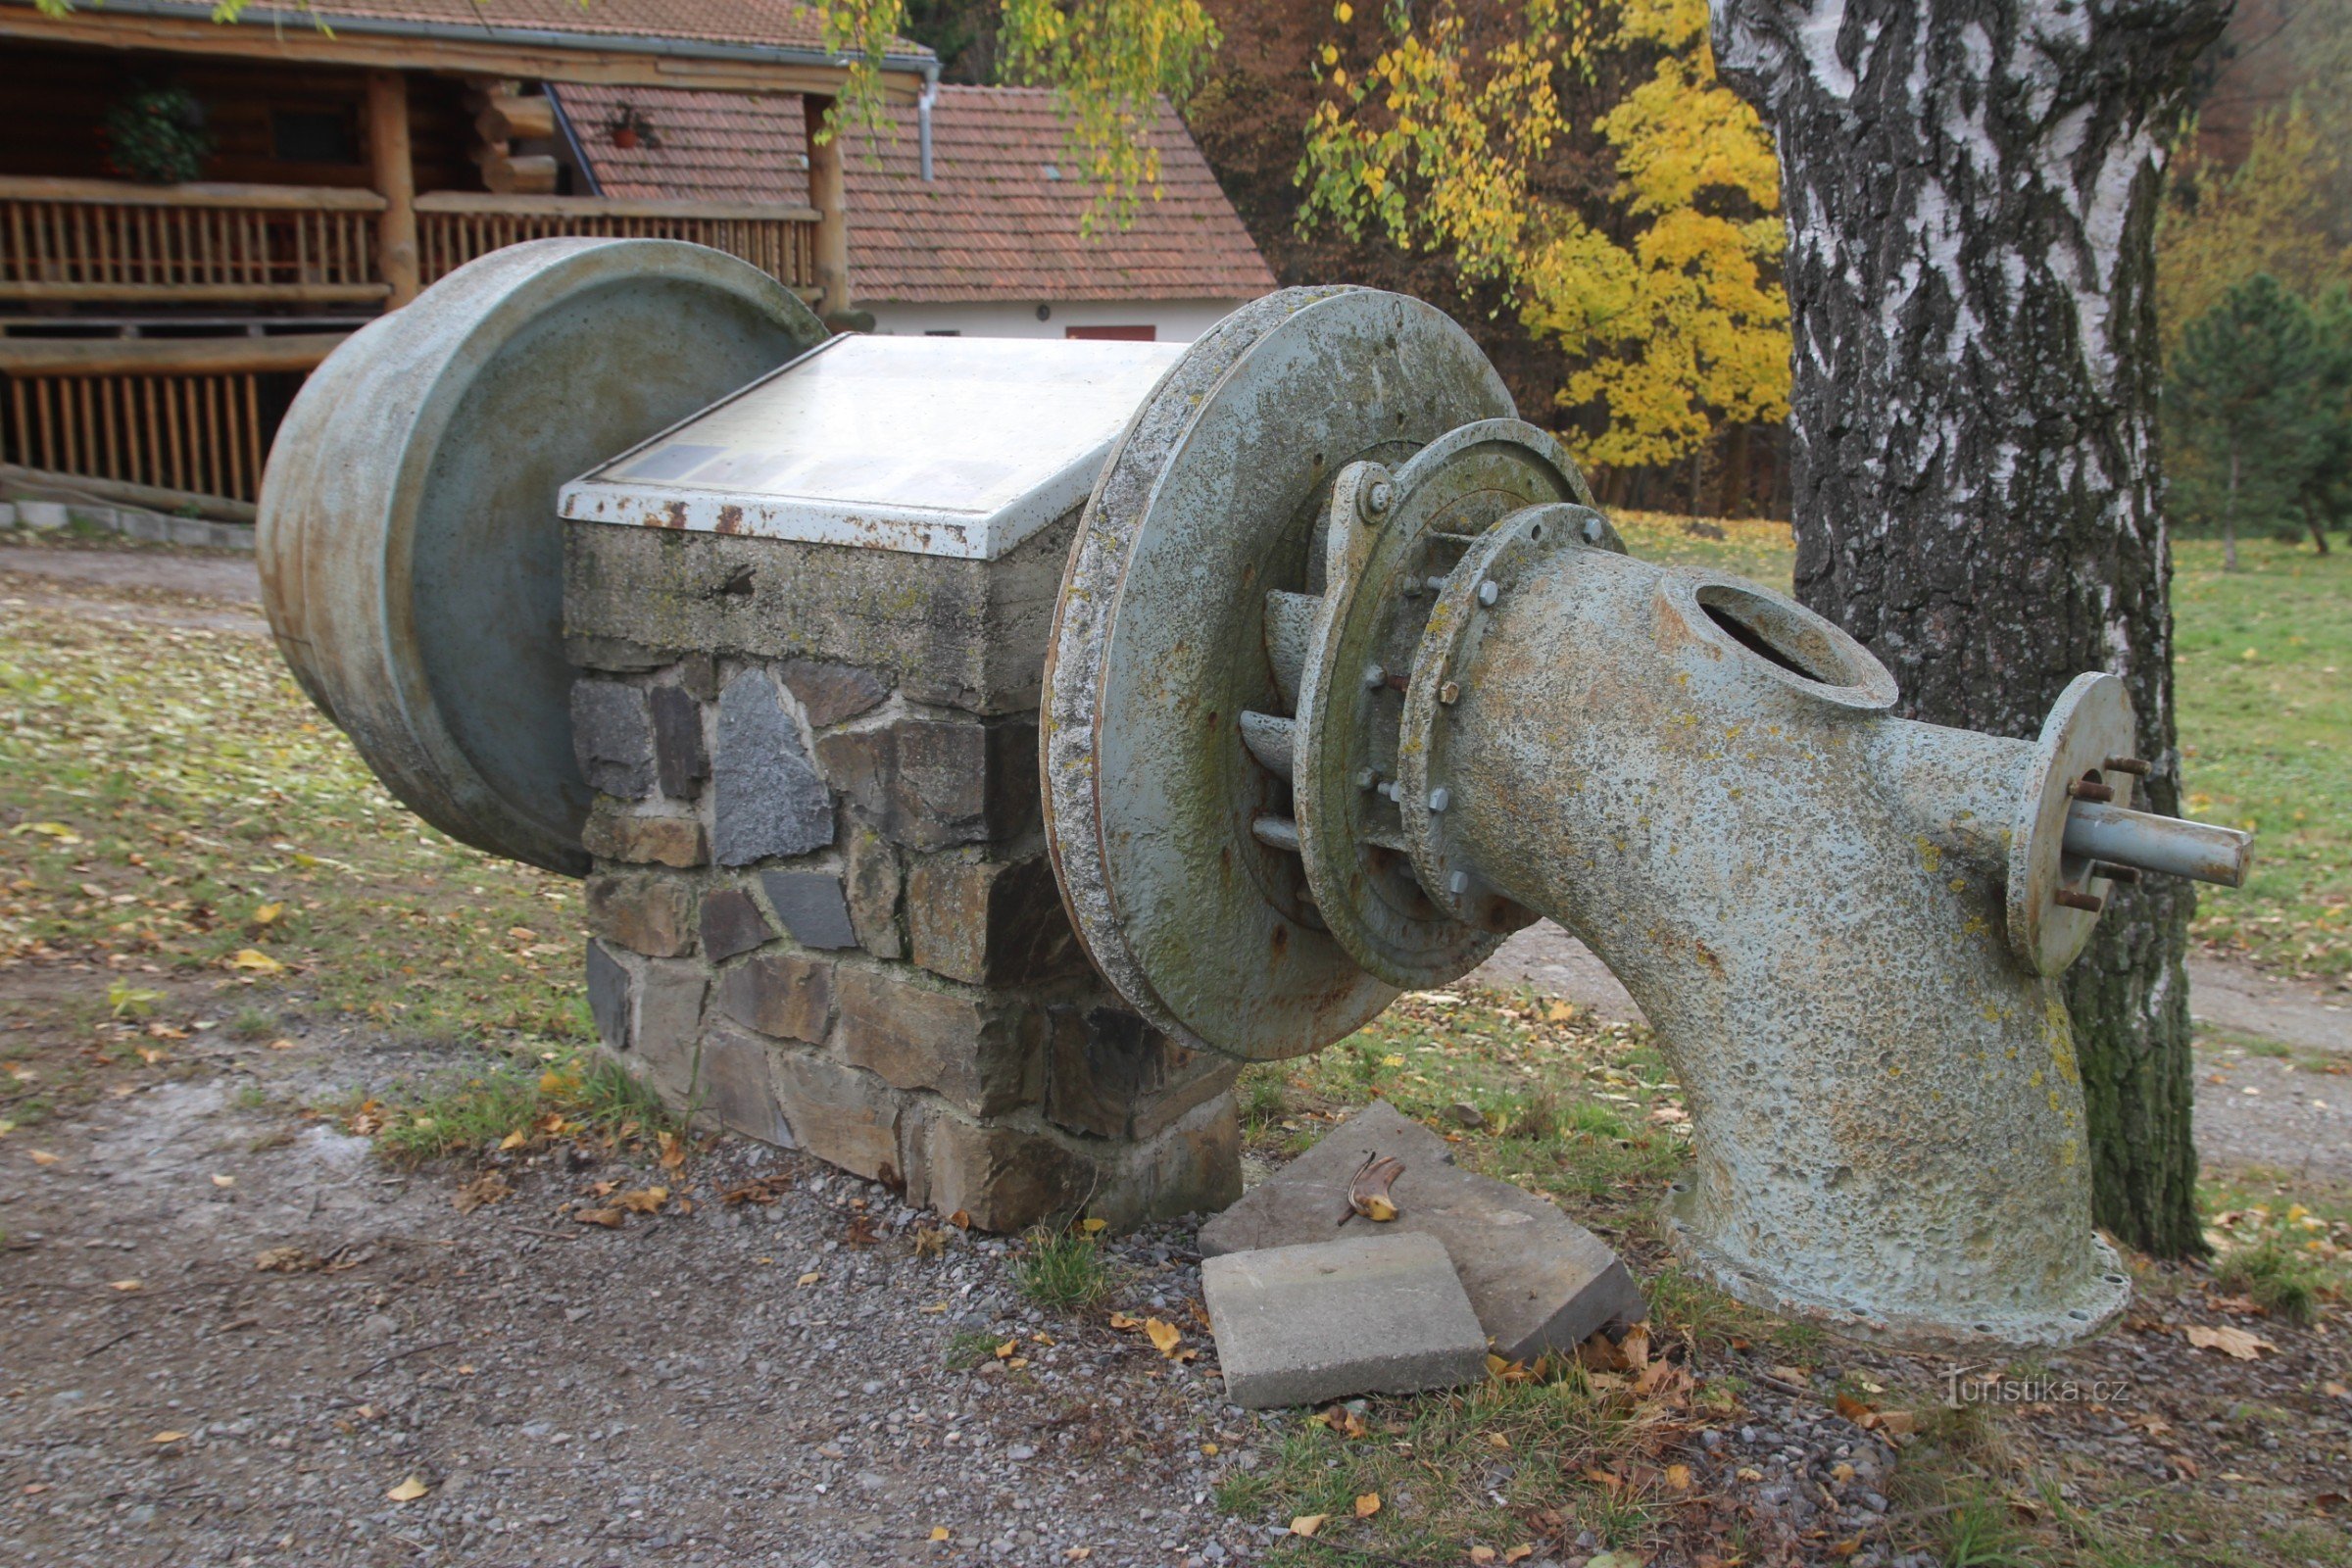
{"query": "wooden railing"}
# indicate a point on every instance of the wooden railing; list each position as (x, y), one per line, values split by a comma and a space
(453, 229)
(97, 239)
(185, 414)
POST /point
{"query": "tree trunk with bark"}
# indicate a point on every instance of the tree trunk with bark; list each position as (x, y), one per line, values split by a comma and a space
(1971, 191)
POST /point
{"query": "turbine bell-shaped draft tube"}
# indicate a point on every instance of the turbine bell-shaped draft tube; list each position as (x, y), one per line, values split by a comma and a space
(1845, 926)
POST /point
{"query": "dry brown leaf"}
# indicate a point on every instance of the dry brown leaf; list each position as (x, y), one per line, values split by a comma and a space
(407, 1491)
(487, 1188)
(169, 1437)
(1368, 1190)
(285, 1260)
(40, 1157)
(1163, 1335)
(1306, 1524)
(609, 1219)
(1005, 1351)
(1368, 1506)
(1122, 1322)
(644, 1200)
(1852, 1409)
(2231, 1342)
(127, 1286)
(810, 1278)
(961, 1219)
(1519, 1553)
(1894, 1423)
(1678, 1476)
(1482, 1555)
(674, 1153)
(514, 1140)
(1498, 1440)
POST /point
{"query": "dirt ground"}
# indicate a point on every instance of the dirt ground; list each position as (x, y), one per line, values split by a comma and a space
(237, 1336)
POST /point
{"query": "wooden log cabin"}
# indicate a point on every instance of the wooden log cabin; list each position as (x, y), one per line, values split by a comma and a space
(152, 333)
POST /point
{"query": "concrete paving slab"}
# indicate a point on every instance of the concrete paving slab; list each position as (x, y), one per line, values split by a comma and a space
(1538, 1279)
(1369, 1314)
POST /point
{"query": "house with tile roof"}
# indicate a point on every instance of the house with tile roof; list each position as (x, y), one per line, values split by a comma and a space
(991, 244)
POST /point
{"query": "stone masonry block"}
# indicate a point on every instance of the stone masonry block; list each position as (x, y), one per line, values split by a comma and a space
(609, 978)
(734, 1087)
(967, 634)
(646, 914)
(1538, 1279)
(930, 783)
(1004, 1178)
(1111, 1075)
(812, 905)
(979, 1054)
(875, 880)
(681, 760)
(698, 674)
(666, 1026)
(768, 798)
(731, 924)
(830, 692)
(989, 922)
(842, 1116)
(1377, 1313)
(614, 833)
(612, 736)
(781, 994)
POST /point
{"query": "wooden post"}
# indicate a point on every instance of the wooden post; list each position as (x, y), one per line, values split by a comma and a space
(828, 194)
(395, 181)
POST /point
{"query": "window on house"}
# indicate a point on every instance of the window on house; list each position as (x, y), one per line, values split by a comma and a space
(313, 136)
(1113, 334)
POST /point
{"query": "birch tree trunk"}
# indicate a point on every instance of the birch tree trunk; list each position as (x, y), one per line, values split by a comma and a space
(1971, 191)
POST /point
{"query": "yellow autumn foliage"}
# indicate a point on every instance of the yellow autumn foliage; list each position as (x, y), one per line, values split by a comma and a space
(1678, 324)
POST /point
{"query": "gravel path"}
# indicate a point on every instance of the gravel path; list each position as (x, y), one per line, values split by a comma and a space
(743, 1384)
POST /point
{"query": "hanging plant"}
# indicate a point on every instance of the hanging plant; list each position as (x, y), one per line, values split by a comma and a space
(157, 136)
(629, 127)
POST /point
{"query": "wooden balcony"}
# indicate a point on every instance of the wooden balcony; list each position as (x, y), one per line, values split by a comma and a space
(453, 229)
(115, 242)
(94, 241)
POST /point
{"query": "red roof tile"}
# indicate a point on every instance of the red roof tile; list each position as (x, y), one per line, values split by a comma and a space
(1000, 221)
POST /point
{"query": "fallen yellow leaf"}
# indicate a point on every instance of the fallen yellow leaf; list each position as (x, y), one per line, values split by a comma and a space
(269, 913)
(1094, 1226)
(125, 1286)
(1482, 1555)
(2231, 1341)
(168, 1437)
(810, 1278)
(1306, 1524)
(1209, 1448)
(1123, 1323)
(254, 960)
(40, 1157)
(514, 1140)
(609, 1219)
(407, 1491)
(282, 1044)
(938, 1531)
(1498, 1440)
(1521, 1552)
(1368, 1506)
(1678, 1476)
(644, 1200)
(1163, 1335)
(225, 1180)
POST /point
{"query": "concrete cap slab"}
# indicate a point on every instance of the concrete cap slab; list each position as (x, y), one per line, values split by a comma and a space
(1370, 1314)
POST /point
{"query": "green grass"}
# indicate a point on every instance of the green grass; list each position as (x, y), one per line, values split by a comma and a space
(570, 1096)
(1063, 1271)
(170, 801)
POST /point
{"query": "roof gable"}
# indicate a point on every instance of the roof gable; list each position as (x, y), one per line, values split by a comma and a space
(1000, 221)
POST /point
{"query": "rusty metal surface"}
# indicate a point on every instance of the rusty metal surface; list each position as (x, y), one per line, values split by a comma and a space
(410, 557)
(2164, 845)
(1208, 504)
(2090, 723)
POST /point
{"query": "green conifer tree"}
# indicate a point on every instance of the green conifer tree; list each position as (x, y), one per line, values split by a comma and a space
(2244, 398)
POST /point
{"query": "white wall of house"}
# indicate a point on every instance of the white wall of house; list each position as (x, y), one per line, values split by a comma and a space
(1173, 321)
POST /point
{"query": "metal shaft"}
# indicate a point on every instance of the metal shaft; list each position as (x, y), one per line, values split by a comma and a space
(2142, 840)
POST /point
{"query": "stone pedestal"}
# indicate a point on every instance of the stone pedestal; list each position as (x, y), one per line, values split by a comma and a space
(822, 907)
